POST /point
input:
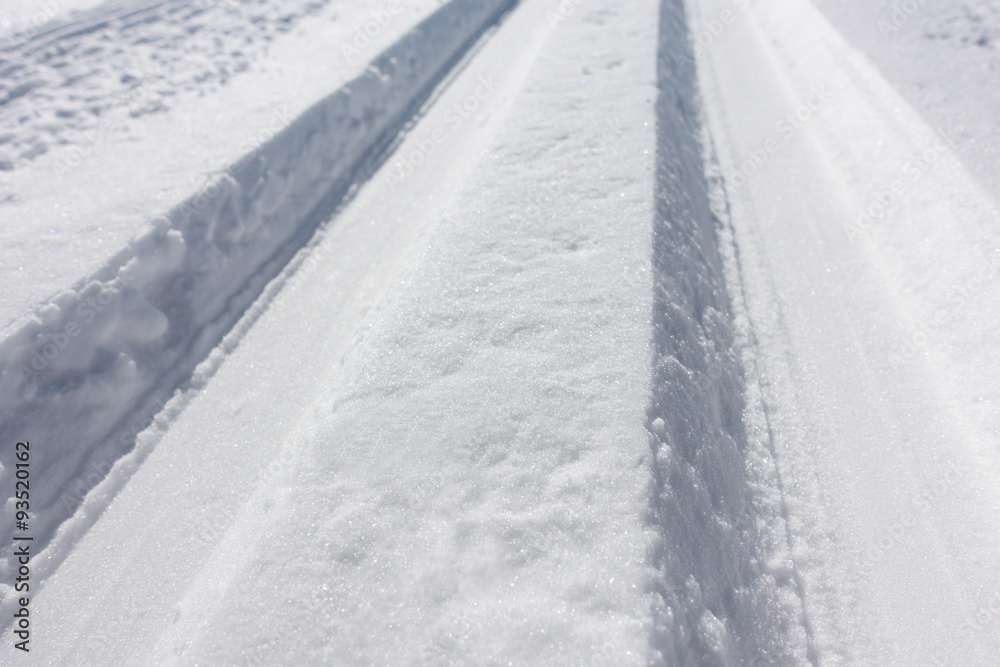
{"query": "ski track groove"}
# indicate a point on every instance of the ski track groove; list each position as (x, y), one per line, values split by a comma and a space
(198, 344)
(701, 457)
(751, 363)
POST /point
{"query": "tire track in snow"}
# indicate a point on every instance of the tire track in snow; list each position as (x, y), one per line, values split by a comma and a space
(756, 392)
(720, 604)
(186, 281)
(857, 439)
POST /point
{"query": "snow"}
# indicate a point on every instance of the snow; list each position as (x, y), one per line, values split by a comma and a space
(466, 450)
(31, 17)
(71, 374)
(552, 332)
(722, 557)
(888, 455)
(943, 59)
(146, 128)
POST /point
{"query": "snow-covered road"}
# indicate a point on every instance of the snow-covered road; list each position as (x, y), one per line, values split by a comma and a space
(663, 333)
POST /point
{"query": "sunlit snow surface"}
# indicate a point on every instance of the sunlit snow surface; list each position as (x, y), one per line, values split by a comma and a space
(574, 333)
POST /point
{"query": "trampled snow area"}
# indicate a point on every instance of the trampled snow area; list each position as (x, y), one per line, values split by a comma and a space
(495, 332)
